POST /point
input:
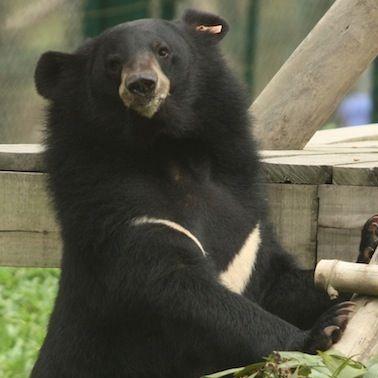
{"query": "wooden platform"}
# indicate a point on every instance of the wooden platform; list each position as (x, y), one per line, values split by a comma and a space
(319, 197)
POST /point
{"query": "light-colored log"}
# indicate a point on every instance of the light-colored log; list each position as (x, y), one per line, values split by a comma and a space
(336, 276)
(306, 90)
(360, 339)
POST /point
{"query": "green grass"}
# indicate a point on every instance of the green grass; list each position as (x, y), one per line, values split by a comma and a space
(26, 299)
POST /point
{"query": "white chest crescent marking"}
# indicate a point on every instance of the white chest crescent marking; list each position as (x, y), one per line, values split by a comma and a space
(239, 271)
(171, 224)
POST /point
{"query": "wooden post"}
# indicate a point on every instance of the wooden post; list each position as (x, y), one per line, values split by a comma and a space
(360, 339)
(309, 86)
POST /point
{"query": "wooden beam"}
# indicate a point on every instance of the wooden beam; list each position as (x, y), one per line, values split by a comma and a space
(309, 86)
(21, 157)
(362, 174)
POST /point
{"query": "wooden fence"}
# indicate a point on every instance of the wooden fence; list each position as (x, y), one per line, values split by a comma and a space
(319, 198)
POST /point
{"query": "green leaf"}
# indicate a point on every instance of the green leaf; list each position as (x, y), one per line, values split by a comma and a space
(342, 367)
(372, 368)
(302, 358)
(250, 370)
(224, 373)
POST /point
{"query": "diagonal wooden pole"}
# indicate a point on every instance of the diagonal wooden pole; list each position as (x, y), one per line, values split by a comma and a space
(307, 89)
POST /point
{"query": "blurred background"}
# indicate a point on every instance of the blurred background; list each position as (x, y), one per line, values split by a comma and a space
(263, 35)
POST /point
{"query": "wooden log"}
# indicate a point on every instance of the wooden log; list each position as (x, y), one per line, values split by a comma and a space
(307, 89)
(335, 275)
(360, 339)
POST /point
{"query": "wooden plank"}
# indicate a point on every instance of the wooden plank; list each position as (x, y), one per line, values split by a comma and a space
(344, 148)
(338, 243)
(346, 207)
(312, 166)
(361, 146)
(344, 135)
(21, 157)
(30, 249)
(24, 203)
(293, 213)
(309, 168)
(363, 174)
(295, 173)
(28, 231)
(343, 210)
(329, 160)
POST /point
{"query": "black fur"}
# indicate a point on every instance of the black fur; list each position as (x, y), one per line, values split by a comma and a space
(143, 301)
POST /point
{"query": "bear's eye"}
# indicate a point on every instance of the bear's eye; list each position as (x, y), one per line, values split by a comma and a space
(113, 64)
(163, 52)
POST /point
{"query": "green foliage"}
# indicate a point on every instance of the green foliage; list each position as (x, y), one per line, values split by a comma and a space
(301, 365)
(26, 299)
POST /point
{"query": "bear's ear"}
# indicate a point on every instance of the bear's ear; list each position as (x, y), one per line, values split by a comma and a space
(52, 66)
(208, 24)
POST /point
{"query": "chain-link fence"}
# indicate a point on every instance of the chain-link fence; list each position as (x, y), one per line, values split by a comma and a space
(263, 35)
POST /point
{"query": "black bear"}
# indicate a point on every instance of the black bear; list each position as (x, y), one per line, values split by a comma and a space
(169, 266)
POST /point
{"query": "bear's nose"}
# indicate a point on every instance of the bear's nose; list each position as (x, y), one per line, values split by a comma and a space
(142, 84)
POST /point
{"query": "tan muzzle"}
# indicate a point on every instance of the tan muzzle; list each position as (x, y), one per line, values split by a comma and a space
(144, 86)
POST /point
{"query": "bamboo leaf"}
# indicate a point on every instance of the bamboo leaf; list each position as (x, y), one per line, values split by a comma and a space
(372, 368)
(225, 373)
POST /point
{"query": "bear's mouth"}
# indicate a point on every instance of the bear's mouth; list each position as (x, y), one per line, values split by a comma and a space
(144, 87)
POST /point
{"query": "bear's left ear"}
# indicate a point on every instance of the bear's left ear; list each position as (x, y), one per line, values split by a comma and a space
(210, 25)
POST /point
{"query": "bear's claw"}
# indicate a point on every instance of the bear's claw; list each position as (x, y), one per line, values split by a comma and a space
(329, 327)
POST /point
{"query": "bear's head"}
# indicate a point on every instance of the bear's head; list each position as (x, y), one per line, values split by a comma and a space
(148, 70)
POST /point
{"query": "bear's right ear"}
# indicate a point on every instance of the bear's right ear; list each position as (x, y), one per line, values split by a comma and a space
(206, 24)
(52, 66)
